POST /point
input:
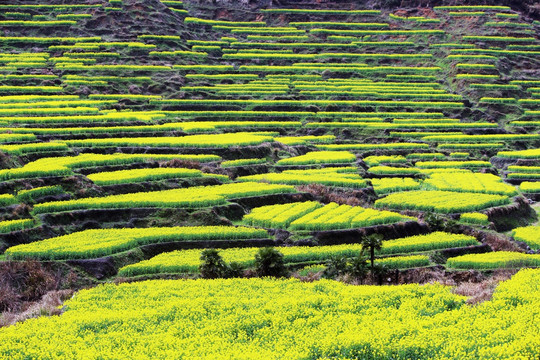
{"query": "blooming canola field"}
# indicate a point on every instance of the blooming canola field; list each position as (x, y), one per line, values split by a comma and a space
(299, 180)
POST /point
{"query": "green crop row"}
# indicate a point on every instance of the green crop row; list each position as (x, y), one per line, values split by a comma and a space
(339, 24)
(347, 116)
(21, 149)
(507, 15)
(240, 114)
(48, 111)
(451, 45)
(390, 170)
(28, 76)
(379, 43)
(110, 117)
(423, 156)
(115, 68)
(472, 7)
(411, 77)
(272, 56)
(390, 185)
(195, 141)
(16, 225)
(441, 201)
(102, 242)
(242, 162)
(45, 40)
(204, 68)
(483, 138)
(492, 100)
(85, 82)
(29, 196)
(160, 37)
(49, 6)
(7, 138)
(26, 23)
(369, 147)
(494, 260)
(81, 46)
(108, 78)
(523, 47)
(475, 66)
(420, 134)
(474, 218)
(429, 242)
(257, 51)
(525, 123)
(188, 261)
(304, 103)
(294, 38)
(530, 187)
(259, 31)
(299, 45)
(469, 182)
(524, 169)
(470, 57)
(528, 102)
(200, 50)
(279, 216)
(61, 166)
(466, 13)
(321, 11)
(319, 157)
(194, 197)
(122, 96)
(336, 68)
(222, 76)
(460, 155)
(470, 146)
(476, 76)
(453, 164)
(17, 15)
(311, 216)
(305, 140)
(530, 235)
(30, 89)
(73, 16)
(7, 199)
(384, 159)
(306, 177)
(494, 87)
(91, 54)
(188, 54)
(198, 21)
(508, 24)
(524, 176)
(376, 32)
(189, 127)
(496, 51)
(140, 175)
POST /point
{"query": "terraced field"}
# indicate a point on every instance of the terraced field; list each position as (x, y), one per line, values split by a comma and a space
(367, 145)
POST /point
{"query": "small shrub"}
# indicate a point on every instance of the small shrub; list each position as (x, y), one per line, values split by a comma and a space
(269, 262)
(336, 266)
(212, 265)
(358, 268)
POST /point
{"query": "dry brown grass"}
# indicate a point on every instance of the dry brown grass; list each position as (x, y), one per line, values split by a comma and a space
(478, 292)
(49, 305)
(501, 243)
(23, 281)
(327, 195)
(179, 163)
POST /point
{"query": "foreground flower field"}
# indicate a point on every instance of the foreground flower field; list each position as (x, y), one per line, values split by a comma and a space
(283, 319)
